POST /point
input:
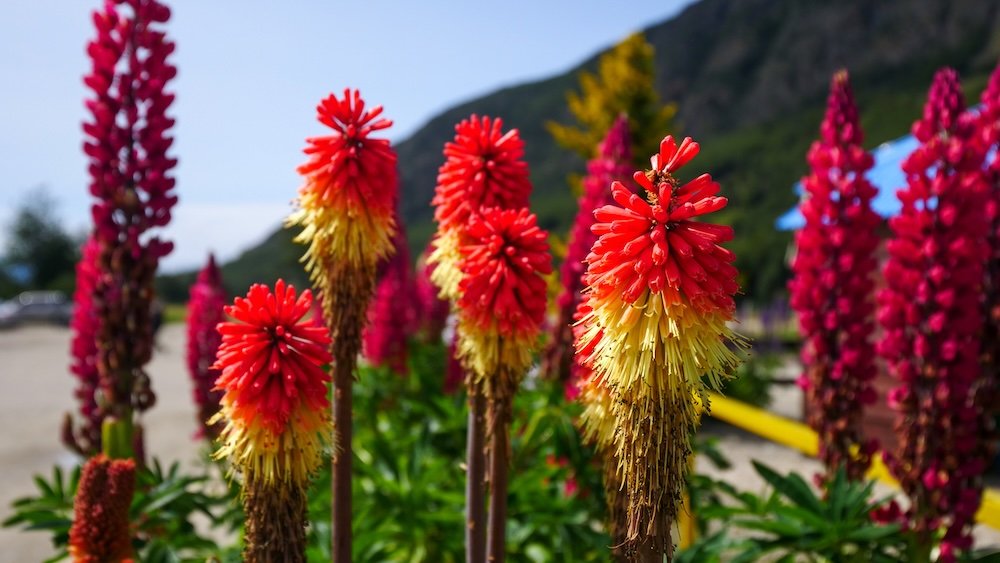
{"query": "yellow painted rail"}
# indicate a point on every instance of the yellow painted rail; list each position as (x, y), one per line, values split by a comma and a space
(798, 436)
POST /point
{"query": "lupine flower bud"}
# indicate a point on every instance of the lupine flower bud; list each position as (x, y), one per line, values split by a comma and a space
(205, 311)
(100, 531)
(932, 317)
(832, 291)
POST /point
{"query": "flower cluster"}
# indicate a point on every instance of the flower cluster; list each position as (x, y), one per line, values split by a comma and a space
(484, 168)
(127, 139)
(832, 290)
(391, 313)
(348, 200)
(100, 531)
(205, 311)
(274, 402)
(502, 290)
(661, 291)
(612, 163)
(932, 317)
(83, 349)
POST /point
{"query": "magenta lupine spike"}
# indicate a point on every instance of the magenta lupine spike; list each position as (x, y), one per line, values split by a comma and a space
(391, 311)
(932, 317)
(613, 162)
(990, 134)
(432, 311)
(86, 440)
(833, 284)
(205, 311)
(127, 139)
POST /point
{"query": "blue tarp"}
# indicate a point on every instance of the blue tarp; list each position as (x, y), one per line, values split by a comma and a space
(886, 175)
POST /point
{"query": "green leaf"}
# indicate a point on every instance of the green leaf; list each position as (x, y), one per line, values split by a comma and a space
(793, 487)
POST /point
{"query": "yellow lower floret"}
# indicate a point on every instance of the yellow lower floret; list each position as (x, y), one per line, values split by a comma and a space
(352, 235)
(292, 456)
(446, 258)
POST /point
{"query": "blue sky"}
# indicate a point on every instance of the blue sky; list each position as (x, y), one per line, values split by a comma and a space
(250, 75)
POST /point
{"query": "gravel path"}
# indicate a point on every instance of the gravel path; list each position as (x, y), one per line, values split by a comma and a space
(37, 390)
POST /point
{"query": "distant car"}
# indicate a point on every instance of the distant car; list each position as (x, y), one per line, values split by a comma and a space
(36, 306)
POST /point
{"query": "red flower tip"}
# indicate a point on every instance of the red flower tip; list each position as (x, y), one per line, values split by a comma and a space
(351, 163)
(654, 243)
(484, 167)
(100, 531)
(271, 358)
(945, 103)
(503, 263)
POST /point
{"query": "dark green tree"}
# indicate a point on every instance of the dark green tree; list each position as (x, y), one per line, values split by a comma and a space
(37, 241)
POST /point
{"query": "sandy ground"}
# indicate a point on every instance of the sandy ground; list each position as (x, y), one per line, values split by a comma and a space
(37, 390)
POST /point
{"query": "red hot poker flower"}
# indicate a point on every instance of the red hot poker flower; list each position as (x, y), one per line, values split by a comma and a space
(502, 289)
(504, 258)
(349, 196)
(350, 164)
(271, 358)
(275, 396)
(655, 244)
(484, 167)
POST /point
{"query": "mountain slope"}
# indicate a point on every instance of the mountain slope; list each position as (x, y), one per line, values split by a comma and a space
(749, 78)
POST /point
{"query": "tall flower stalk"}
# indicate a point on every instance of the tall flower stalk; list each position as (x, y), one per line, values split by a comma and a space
(500, 313)
(127, 139)
(932, 316)
(660, 296)
(276, 414)
(833, 287)
(484, 168)
(613, 162)
(347, 207)
(205, 311)
(86, 440)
